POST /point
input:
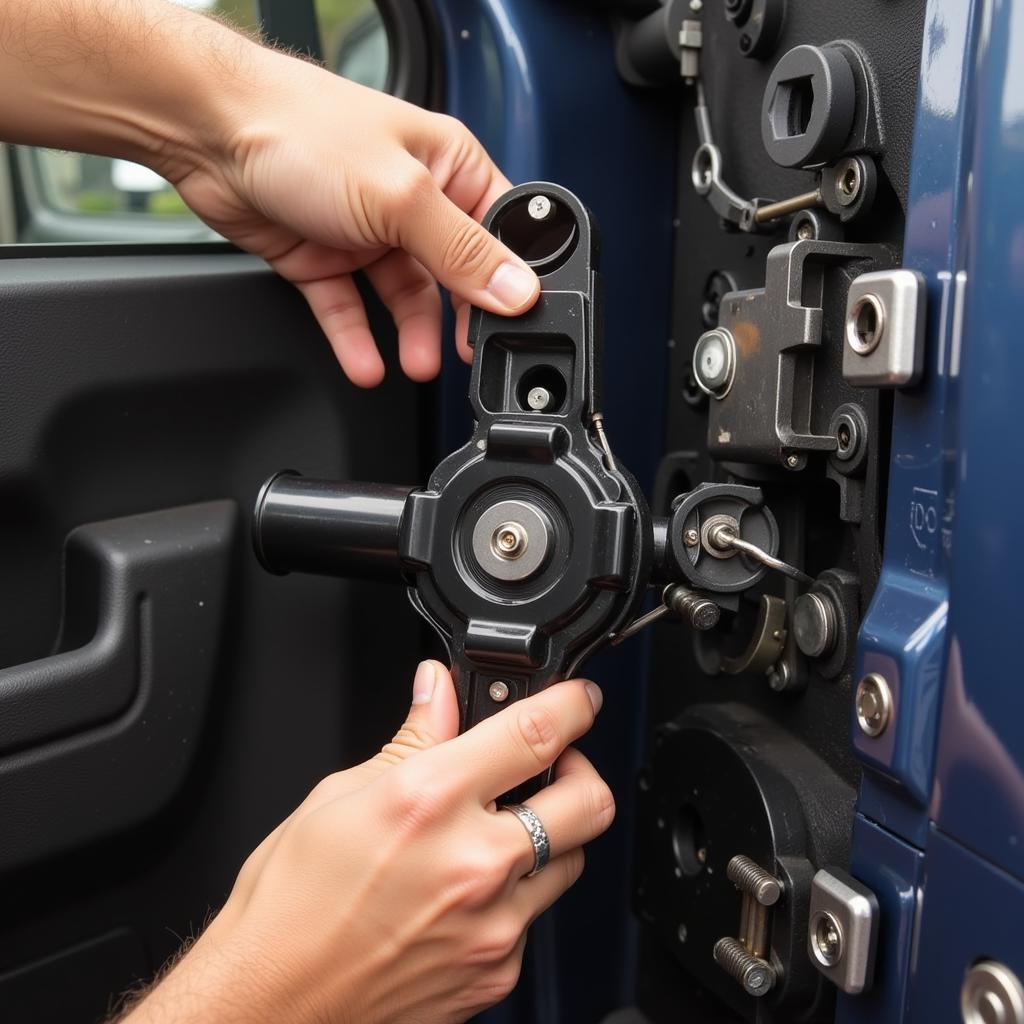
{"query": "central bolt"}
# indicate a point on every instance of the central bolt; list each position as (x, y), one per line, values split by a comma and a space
(540, 207)
(509, 540)
(828, 938)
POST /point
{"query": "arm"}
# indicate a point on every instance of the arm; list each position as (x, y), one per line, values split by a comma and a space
(319, 176)
(396, 892)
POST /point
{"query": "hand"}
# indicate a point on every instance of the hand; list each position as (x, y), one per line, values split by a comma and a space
(397, 892)
(322, 177)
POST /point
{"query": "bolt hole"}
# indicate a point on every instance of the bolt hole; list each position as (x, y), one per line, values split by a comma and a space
(745, 43)
(850, 181)
(828, 940)
(689, 842)
(843, 436)
(547, 379)
(864, 328)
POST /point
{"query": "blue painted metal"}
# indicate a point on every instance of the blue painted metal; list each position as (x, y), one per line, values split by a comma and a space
(971, 911)
(904, 633)
(979, 792)
(893, 869)
(535, 81)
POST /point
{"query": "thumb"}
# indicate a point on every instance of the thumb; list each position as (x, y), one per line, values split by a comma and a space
(433, 716)
(466, 258)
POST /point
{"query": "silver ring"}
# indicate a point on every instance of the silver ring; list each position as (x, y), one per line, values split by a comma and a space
(537, 833)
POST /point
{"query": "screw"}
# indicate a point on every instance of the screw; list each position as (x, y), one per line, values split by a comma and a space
(540, 207)
(873, 703)
(691, 538)
(498, 691)
(793, 461)
(538, 399)
(509, 541)
(755, 975)
(696, 5)
(805, 231)
(828, 939)
(682, 933)
(749, 876)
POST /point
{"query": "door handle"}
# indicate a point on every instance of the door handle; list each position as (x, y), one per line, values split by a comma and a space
(98, 736)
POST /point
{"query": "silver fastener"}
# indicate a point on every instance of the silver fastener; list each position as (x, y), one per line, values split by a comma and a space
(498, 691)
(873, 703)
(793, 461)
(826, 938)
(842, 929)
(540, 207)
(714, 362)
(538, 399)
(509, 540)
(691, 538)
(756, 976)
(992, 994)
(847, 182)
(814, 624)
(865, 324)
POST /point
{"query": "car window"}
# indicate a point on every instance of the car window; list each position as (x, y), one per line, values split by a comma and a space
(53, 196)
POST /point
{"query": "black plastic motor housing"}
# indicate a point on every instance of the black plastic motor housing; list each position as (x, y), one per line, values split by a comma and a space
(530, 544)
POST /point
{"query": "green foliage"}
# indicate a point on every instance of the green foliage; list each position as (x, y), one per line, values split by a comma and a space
(97, 202)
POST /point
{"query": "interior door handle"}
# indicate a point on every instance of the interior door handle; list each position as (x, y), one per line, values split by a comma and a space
(97, 736)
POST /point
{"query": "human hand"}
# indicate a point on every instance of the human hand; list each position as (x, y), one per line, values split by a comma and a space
(322, 177)
(396, 891)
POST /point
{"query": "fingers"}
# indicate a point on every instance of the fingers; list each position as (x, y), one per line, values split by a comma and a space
(534, 895)
(338, 308)
(462, 330)
(433, 716)
(411, 295)
(467, 259)
(576, 808)
(520, 741)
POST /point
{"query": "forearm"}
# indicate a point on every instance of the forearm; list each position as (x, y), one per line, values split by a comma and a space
(141, 79)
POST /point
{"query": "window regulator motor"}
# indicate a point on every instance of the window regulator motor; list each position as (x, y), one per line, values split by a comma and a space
(531, 546)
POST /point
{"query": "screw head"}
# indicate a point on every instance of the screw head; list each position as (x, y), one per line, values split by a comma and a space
(805, 231)
(691, 538)
(540, 207)
(538, 399)
(714, 362)
(873, 704)
(498, 691)
(827, 939)
(681, 932)
(793, 461)
(755, 978)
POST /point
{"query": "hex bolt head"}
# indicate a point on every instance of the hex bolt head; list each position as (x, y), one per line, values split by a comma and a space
(540, 207)
(873, 704)
(498, 691)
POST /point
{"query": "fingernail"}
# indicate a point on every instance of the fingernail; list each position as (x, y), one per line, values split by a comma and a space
(512, 285)
(423, 683)
(595, 695)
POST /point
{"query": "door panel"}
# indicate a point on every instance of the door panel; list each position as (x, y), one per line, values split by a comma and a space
(157, 390)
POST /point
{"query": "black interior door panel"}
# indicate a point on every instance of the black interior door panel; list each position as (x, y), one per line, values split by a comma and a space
(157, 390)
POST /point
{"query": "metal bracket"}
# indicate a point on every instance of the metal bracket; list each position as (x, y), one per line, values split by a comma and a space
(883, 344)
(842, 930)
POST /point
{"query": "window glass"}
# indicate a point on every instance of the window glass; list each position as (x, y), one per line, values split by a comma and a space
(71, 197)
(354, 40)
